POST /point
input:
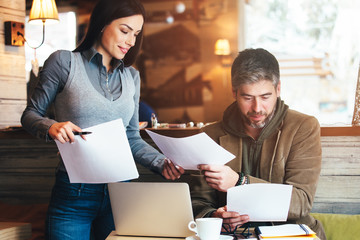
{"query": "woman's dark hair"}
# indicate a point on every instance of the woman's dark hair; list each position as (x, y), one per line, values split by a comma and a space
(103, 14)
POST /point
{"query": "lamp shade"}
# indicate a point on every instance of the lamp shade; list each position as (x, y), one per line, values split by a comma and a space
(222, 47)
(43, 10)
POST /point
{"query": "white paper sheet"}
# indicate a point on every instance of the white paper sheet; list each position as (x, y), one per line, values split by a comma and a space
(104, 157)
(189, 152)
(261, 201)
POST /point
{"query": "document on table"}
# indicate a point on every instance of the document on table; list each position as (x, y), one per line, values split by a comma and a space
(286, 231)
(261, 201)
(104, 157)
(189, 152)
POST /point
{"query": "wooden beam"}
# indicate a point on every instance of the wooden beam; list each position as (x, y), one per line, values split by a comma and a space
(340, 131)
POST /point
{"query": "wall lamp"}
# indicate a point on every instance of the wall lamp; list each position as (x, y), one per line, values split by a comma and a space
(222, 49)
(41, 11)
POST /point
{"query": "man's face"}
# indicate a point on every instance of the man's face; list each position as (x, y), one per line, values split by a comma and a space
(257, 102)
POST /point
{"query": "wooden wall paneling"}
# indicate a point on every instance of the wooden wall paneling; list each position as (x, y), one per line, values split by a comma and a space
(351, 208)
(338, 188)
(10, 15)
(13, 5)
(14, 88)
(12, 67)
(11, 111)
(341, 156)
(25, 189)
(27, 170)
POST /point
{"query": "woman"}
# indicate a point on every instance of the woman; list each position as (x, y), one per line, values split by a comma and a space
(91, 85)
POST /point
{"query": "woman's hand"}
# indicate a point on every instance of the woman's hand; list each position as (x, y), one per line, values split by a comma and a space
(172, 171)
(63, 131)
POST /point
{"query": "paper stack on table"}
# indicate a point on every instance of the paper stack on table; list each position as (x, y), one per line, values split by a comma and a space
(286, 232)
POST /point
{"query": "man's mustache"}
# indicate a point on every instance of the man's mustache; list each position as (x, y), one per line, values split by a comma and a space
(250, 114)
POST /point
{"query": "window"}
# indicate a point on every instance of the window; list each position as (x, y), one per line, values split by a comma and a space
(317, 45)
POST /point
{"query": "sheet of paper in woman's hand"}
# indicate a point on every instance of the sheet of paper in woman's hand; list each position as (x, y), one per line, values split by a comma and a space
(189, 152)
(104, 157)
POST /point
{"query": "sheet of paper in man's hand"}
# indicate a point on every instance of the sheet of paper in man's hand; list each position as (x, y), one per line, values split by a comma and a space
(189, 152)
(104, 157)
(261, 201)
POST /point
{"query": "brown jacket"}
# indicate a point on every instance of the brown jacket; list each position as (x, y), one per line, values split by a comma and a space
(291, 155)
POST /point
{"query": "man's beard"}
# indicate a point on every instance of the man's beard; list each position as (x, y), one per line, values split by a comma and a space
(262, 124)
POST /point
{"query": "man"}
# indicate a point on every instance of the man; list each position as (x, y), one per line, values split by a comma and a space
(272, 144)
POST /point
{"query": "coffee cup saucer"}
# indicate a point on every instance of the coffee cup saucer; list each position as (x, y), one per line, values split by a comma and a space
(222, 237)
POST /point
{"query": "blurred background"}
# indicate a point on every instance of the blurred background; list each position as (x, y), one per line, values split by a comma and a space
(185, 78)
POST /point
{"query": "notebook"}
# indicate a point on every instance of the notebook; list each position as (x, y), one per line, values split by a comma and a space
(285, 231)
(151, 209)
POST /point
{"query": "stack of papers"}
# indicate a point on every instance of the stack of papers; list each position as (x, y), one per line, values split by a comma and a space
(286, 232)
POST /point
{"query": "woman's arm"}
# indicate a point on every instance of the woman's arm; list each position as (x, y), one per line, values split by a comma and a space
(144, 153)
(53, 77)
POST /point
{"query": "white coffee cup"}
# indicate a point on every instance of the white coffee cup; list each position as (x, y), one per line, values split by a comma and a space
(206, 228)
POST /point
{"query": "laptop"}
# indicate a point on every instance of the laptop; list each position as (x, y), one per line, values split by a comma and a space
(151, 209)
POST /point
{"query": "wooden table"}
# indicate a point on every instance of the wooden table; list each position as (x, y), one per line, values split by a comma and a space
(113, 236)
(15, 231)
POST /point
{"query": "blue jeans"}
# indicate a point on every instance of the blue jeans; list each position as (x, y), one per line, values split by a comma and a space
(78, 210)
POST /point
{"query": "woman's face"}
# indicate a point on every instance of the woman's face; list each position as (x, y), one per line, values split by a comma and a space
(119, 36)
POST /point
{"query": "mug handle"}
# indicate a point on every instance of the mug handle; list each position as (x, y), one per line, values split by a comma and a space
(192, 226)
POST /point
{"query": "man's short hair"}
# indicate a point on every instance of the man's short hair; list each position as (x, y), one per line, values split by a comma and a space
(253, 65)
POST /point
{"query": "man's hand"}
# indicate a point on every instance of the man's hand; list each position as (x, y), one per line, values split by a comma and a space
(63, 132)
(219, 177)
(231, 219)
(170, 171)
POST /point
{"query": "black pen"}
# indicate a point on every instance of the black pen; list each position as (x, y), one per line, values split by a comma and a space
(81, 133)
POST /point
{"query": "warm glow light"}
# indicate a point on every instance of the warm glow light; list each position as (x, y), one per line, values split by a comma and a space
(43, 10)
(222, 47)
(180, 7)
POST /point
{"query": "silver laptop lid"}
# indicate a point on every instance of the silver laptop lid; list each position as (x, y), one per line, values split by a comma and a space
(153, 209)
